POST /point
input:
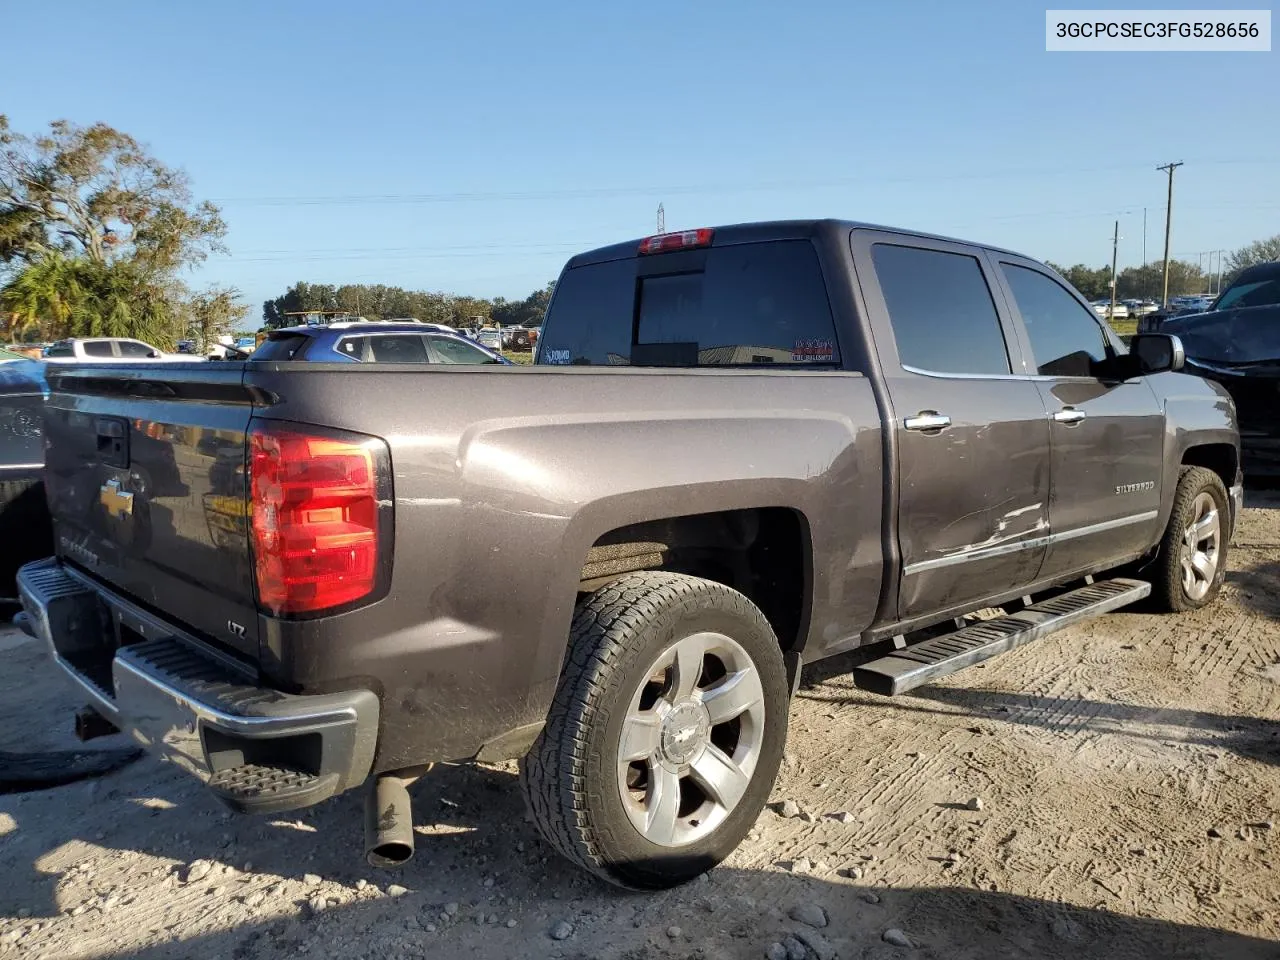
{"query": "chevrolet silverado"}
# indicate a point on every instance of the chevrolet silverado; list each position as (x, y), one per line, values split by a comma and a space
(739, 450)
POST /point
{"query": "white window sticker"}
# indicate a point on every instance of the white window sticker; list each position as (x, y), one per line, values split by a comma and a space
(555, 356)
(812, 351)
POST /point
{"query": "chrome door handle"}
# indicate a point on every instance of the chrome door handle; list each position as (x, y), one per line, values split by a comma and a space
(927, 420)
(1070, 416)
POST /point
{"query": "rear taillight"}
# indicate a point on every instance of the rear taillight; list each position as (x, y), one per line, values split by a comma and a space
(320, 530)
(685, 240)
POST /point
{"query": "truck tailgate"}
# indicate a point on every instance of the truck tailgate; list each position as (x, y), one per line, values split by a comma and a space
(145, 469)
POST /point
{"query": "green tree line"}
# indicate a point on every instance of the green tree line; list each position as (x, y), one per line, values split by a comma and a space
(1185, 279)
(94, 235)
(380, 302)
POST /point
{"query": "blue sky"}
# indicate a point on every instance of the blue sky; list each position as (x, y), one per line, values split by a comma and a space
(473, 147)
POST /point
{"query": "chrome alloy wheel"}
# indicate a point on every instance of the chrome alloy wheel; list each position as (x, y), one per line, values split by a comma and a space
(691, 739)
(1201, 547)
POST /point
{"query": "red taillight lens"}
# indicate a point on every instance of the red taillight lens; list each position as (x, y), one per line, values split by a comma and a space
(685, 240)
(316, 524)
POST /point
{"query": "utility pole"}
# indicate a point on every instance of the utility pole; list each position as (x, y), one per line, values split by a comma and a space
(1144, 253)
(662, 219)
(1168, 226)
(1115, 245)
(1218, 288)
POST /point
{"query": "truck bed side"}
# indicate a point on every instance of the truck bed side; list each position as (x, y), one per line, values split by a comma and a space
(497, 506)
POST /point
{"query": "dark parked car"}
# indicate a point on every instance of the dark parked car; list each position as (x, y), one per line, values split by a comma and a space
(739, 450)
(374, 342)
(1237, 343)
(25, 530)
(517, 338)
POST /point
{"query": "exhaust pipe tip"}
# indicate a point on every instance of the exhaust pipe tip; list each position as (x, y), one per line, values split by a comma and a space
(387, 855)
(388, 830)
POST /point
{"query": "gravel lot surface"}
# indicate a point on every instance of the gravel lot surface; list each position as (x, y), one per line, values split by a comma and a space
(1112, 791)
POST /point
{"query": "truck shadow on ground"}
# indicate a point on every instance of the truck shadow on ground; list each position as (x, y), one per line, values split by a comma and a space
(161, 812)
(734, 914)
(476, 850)
(1253, 738)
(1258, 583)
(137, 833)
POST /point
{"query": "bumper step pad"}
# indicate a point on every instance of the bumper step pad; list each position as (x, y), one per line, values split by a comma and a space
(915, 665)
(255, 788)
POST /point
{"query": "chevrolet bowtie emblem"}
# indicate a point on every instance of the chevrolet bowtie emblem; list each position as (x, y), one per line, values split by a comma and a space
(118, 503)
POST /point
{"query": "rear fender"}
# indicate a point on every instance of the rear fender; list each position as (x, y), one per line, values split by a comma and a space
(580, 480)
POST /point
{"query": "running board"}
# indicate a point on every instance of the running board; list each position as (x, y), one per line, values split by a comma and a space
(914, 665)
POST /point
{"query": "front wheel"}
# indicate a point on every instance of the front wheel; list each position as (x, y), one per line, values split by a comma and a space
(1192, 561)
(666, 732)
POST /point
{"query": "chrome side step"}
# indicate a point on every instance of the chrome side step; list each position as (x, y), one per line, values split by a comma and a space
(917, 664)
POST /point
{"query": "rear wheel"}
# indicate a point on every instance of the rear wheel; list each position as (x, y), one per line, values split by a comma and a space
(666, 731)
(1192, 562)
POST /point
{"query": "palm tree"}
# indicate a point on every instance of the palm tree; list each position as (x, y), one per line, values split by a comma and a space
(43, 296)
(78, 297)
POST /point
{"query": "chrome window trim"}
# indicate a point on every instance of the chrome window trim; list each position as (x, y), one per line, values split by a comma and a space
(984, 553)
(1032, 377)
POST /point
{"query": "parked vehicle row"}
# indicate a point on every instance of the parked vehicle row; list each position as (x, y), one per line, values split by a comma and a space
(25, 530)
(1124, 309)
(1235, 341)
(739, 450)
(110, 350)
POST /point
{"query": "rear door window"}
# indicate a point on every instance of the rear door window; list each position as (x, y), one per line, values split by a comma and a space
(944, 319)
(134, 349)
(352, 347)
(591, 316)
(751, 304)
(98, 348)
(398, 348)
(451, 350)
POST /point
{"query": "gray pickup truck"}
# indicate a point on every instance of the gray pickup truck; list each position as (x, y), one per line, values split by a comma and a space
(740, 450)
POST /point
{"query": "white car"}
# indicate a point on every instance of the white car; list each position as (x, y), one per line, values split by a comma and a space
(490, 337)
(1103, 309)
(110, 350)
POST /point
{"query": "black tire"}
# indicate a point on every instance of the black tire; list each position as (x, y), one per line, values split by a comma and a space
(1168, 592)
(570, 776)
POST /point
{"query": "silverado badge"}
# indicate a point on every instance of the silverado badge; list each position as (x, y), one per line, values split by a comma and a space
(1135, 487)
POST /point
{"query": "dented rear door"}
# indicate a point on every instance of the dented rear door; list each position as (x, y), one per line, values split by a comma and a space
(972, 437)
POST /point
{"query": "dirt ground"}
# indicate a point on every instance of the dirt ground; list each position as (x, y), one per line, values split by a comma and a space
(1128, 773)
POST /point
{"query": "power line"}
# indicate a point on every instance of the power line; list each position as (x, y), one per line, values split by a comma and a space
(715, 188)
(513, 245)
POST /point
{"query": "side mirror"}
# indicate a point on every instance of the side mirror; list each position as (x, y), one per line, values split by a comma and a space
(1157, 352)
(154, 354)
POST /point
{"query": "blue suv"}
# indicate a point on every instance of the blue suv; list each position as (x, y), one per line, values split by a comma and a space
(373, 342)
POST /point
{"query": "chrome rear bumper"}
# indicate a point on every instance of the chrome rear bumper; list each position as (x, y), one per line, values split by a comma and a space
(192, 708)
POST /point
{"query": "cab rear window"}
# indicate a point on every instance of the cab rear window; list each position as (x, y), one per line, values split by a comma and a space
(743, 305)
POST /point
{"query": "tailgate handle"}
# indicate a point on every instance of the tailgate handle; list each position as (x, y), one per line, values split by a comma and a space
(113, 442)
